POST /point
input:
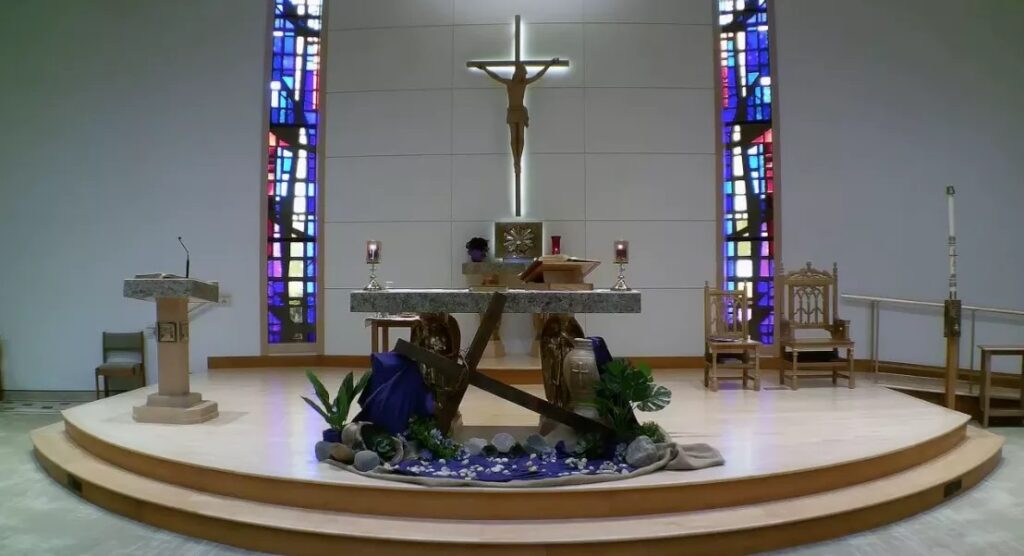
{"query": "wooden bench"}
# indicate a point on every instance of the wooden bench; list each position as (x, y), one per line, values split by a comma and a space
(380, 329)
(987, 353)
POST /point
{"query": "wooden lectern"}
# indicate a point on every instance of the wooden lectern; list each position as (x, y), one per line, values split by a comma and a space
(173, 403)
(558, 272)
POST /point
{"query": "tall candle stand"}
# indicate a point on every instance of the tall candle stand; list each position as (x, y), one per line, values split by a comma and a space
(952, 311)
(621, 259)
(373, 249)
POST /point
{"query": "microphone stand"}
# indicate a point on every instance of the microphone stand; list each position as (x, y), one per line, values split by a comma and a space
(188, 262)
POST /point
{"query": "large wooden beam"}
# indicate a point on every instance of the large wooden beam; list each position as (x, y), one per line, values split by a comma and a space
(493, 386)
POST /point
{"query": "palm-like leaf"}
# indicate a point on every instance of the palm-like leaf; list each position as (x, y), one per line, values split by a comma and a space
(321, 392)
(318, 409)
(363, 381)
(659, 397)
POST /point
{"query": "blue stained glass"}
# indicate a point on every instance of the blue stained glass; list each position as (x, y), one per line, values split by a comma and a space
(294, 115)
(746, 102)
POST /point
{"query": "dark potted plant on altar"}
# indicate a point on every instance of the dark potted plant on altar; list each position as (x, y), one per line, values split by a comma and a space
(335, 412)
(477, 249)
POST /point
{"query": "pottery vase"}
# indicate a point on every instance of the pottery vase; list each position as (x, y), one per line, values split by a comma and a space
(580, 375)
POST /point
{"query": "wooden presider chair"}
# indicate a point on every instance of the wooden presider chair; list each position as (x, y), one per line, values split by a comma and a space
(124, 355)
(809, 306)
(727, 343)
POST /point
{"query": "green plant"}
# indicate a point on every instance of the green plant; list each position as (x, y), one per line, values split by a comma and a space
(335, 412)
(590, 445)
(424, 432)
(652, 430)
(378, 440)
(625, 388)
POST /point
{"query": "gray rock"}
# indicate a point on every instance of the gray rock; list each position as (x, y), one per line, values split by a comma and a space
(342, 453)
(352, 435)
(562, 433)
(641, 452)
(475, 446)
(323, 450)
(535, 444)
(504, 442)
(366, 460)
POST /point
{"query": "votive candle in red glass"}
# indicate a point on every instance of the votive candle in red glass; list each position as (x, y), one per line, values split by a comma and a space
(621, 251)
(373, 251)
(556, 245)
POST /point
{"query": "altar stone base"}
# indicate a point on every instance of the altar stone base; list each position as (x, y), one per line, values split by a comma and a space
(201, 412)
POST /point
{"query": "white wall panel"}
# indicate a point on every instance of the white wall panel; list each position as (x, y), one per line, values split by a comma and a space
(661, 254)
(383, 123)
(647, 55)
(648, 11)
(390, 58)
(500, 11)
(393, 188)
(650, 120)
(651, 186)
(414, 254)
(357, 14)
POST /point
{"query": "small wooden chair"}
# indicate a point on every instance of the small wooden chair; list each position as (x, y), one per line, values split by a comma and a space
(809, 303)
(124, 356)
(380, 329)
(727, 343)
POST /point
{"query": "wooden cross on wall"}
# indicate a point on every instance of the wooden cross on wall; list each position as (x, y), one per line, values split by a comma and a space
(456, 372)
(517, 117)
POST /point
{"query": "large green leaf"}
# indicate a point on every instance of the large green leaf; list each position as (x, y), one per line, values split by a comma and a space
(321, 392)
(659, 397)
(363, 381)
(318, 410)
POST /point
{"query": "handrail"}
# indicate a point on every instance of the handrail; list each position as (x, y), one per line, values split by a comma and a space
(876, 301)
(930, 304)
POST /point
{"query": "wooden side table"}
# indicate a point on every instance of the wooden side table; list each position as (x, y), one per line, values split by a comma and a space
(987, 352)
(381, 326)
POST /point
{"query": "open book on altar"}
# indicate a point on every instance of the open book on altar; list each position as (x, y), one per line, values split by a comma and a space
(558, 272)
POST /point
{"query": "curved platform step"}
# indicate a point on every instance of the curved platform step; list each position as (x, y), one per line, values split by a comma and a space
(599, 500)
(733, 530)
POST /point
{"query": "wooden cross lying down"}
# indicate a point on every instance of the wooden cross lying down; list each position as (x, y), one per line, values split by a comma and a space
(456, 372)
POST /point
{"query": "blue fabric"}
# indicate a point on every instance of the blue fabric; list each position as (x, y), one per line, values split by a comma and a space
(601, 353)
(503, 468)
(395, 393)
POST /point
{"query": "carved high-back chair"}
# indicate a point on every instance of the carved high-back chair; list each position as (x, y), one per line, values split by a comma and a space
(811, 334)
(727, 343)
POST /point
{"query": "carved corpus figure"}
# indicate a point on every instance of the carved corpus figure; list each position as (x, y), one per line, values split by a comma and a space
(517, 117)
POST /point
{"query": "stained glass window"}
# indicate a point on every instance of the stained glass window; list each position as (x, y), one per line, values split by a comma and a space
(748, 183)
(292, 177)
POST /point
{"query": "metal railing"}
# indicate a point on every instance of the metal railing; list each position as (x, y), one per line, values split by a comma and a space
(877, 301)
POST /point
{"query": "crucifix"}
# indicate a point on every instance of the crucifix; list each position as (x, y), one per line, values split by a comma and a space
(517, 117)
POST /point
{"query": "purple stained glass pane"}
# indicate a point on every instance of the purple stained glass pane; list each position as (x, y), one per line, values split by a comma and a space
(294, 111)
(746, 88)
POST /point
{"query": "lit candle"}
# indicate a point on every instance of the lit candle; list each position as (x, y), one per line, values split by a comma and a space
(556, 245)
(621, 251)
(373, 251)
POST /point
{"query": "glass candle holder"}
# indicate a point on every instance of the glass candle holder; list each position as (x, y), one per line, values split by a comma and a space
(556, 245)
(621, 251)
(373, 248)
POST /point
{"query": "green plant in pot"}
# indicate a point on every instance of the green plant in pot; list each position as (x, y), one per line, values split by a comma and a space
(335, 412)
(625, 388)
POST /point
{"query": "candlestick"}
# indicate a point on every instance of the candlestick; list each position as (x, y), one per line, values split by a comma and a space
(621, 251)
(373, 249)
(950, 193)
(556, 245)
(622, 259)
